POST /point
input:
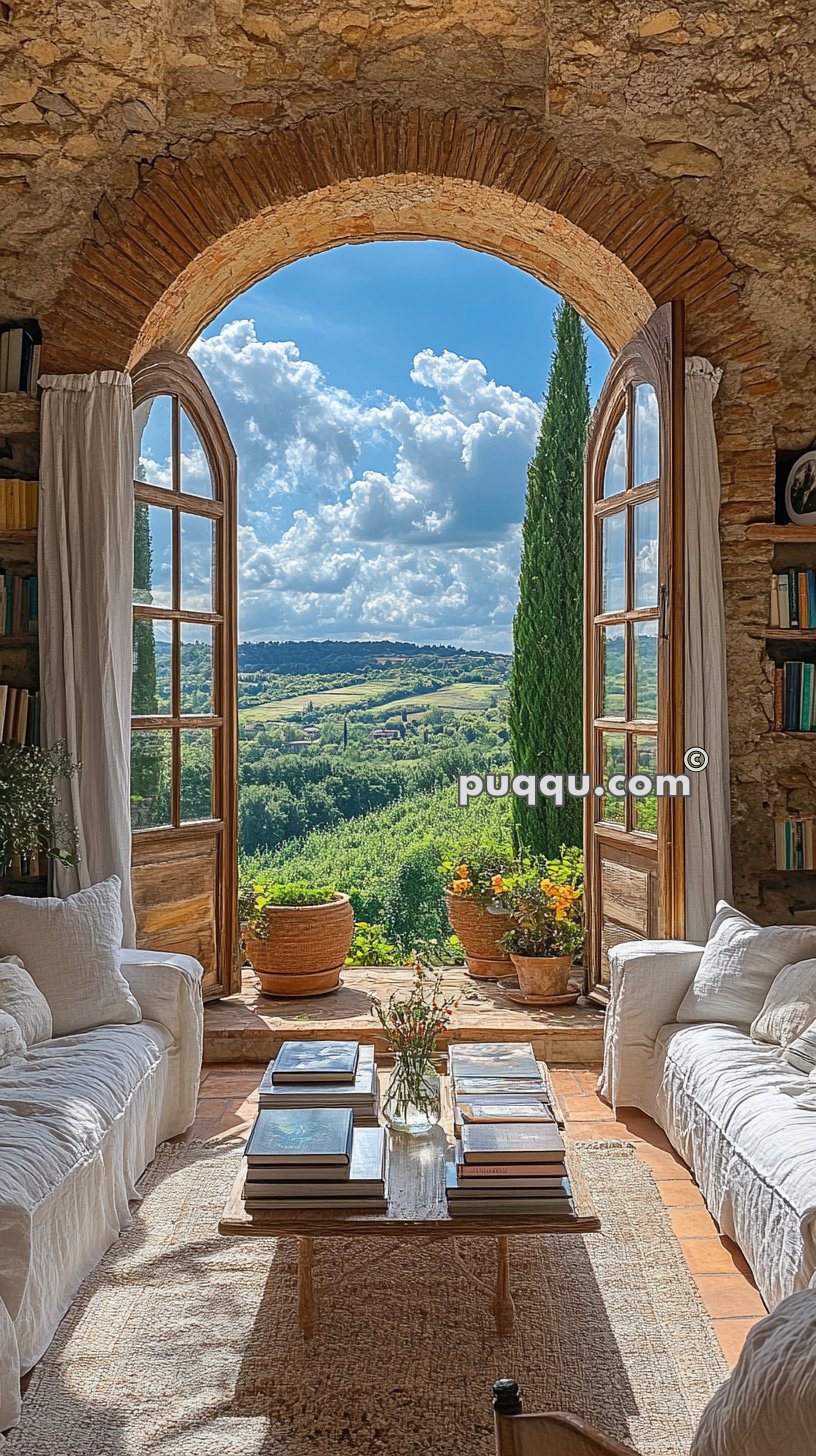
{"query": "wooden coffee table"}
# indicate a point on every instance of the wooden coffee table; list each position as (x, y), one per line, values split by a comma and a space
(417, 1209)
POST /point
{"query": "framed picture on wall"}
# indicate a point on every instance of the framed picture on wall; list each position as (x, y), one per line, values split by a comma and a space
(800, 490)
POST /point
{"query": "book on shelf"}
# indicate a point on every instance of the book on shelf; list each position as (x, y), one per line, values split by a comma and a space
(19, 604)
(538, 1201)
(362, 1187)
(20, 341)
(479, 1176)
(793, 598)
(315, 1061)
(19, 715)
(19, 505)
(361, 1095)
(298, 1136)
(494, 1062)
(506, 1143)
(795, 843)
(795, 697)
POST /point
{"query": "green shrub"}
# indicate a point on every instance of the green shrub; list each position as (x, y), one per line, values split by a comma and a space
(370, 947)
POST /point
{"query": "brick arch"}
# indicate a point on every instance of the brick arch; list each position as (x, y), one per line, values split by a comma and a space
(198, 231)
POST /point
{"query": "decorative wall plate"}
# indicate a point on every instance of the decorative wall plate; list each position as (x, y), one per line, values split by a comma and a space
(800, 490)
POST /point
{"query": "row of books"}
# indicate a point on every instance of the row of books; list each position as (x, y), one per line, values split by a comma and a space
(18, 604)
(795, 844)
(19, 715)
(509, 1156)
(20, 356)
(795, 697)
(316, 1142)
(793, 598)
(19, 505)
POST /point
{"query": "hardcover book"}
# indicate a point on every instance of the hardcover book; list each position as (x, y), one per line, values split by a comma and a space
(365, 1177)
(495, 1060)
(359, 1091)
(497, 1109)
(316, 1061)
(301, 1135)
(520, 1089)
(522, 1180)
(499, 1143)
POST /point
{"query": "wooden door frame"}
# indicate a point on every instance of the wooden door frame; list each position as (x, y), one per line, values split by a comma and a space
(163, 372)
(656, 355)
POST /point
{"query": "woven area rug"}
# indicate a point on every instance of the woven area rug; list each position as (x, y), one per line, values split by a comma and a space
(185, 1344)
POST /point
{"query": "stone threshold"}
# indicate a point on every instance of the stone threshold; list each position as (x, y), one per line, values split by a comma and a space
(250, 1027)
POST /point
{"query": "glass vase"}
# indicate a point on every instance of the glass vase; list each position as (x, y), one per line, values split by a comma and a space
(412, 1103)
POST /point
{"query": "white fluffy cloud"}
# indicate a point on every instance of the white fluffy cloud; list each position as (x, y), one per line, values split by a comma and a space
(368, 518)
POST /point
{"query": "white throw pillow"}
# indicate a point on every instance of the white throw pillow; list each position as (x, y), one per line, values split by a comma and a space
(11, 1039)
(20, 997)
(71, 950)
(768, 1405)
(790, 1005)
(738, 965)
(801, 1053)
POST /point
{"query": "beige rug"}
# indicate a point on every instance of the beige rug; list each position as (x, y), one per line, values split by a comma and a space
(185, 1344)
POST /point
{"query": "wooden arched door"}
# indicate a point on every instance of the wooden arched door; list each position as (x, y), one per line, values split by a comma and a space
(633, 652)
(184, 724)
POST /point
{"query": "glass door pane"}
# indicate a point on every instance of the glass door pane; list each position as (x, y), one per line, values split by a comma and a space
(647, 525)
(646, 428)
(197, 563)
(644, 810)
(196, 690)
(613, 672)
(195, 476)
(151, 667)
(614, 479)
(151, 760)
(613, 761)
(613, 562)
(196, 774)
(153, 441)
(152, 556)
(645, 670)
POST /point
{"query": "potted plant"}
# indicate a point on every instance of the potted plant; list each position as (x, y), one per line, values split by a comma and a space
(297, 936)
(412, 1024)
(475, 891)
(548, 924)
(30, 826)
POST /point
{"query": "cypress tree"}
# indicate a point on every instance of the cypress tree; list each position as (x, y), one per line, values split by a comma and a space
(546, 689)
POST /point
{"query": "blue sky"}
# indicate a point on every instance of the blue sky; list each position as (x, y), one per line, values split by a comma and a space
(384, 401)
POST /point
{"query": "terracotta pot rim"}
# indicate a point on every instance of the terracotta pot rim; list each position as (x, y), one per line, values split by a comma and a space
(516, 956)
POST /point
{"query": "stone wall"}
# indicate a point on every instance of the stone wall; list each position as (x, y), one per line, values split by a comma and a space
(156, 155)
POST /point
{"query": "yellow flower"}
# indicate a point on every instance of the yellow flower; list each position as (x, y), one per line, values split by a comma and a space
(462, 872)
(459, 885)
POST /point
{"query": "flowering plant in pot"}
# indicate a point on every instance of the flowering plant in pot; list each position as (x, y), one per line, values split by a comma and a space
(548, 924)
(412, 1025)
(476, 888)
(31, 823)
(297, 936)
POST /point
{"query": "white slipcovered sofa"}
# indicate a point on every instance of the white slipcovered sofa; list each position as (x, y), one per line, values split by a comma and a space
(721, 1099)
(81, 1117)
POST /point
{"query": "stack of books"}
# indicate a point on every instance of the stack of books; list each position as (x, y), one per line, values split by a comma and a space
(20, 356)
(509, 1156)
(18, 604)
(323, 1074)
(315, 1158)
(795, 844)
(19, 504)
(795, 698)
(793, 598)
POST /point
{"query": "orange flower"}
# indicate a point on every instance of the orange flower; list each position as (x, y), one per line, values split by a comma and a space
(497, 885)
(462, 872)
(459, 885)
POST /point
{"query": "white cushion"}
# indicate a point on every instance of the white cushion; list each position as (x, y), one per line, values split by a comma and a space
(11, 1039)
(768, 1406)
(801, 1053)
(71, 950)
(738, 965)
(790, 1005)
(20, 997)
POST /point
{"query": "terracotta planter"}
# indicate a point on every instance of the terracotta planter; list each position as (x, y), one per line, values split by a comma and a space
(304, 948)
(479, 934)
(543, 975)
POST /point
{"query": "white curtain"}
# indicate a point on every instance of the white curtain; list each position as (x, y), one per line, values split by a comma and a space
(86, 582)
(708, 809)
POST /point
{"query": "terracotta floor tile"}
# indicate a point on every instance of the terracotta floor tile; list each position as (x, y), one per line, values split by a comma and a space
(680, 1193)
(585, 1107)
(738, 1259)
(209, 1114)
(731, 1334)
(645, 1128)
(607, 1129)
(707, 1256)
(728, 1296)
(664, 1165)
(693, 1223)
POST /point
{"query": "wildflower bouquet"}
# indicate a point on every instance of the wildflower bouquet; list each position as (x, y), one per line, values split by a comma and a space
(412, 1025)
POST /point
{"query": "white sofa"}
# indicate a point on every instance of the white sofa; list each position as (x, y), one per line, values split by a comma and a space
(80, 1118)
(719, 1097)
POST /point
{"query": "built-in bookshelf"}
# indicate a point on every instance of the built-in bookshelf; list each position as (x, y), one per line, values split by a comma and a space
(19, 587)
(789, 647)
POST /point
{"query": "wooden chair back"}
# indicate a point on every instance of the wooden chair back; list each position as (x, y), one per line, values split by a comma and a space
(551, 1433)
